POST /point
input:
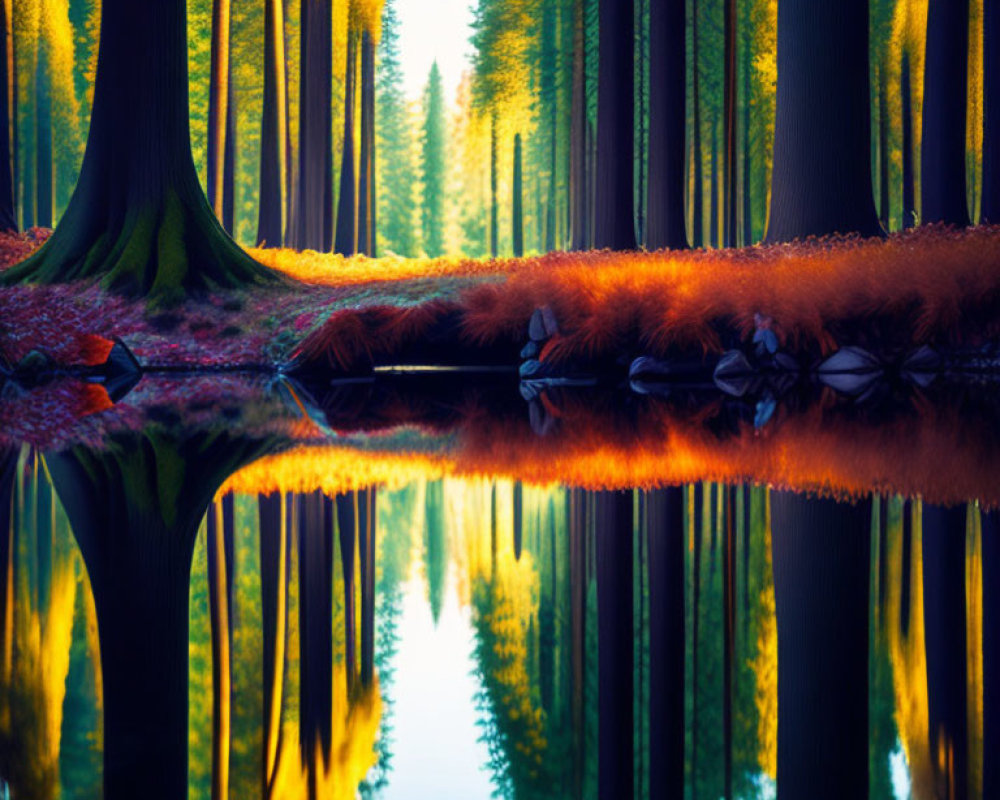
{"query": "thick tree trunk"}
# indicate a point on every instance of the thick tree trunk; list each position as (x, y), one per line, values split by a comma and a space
(945, 642)
(273, 131)
(366, 556)
(353, 515)
(138, 218)
(44, 177)
(698, 192)
(579, 189)
(137, 535)
(991, 653)
(665, 531)
(8, 120)
(667, 70)
(942, 146)
(220, 531)
(517, 214)
(821, 554)
(615, 202)
(615, 643)
(821, 181)
(909, 193)
(366, 178)
(990, 209)
(314, 204)
(729, 121)
(218, 105)
(346, 242)
(275, 549)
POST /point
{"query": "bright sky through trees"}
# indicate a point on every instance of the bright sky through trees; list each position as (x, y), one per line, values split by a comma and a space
(429, 30)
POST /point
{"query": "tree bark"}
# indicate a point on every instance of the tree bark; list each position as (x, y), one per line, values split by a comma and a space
(666, 225)
(314, 207)
(942, 146)
(822, 554)
(615, 643)
(665, 532)
(945, 642)
(366, 178)
(518, 201)
(346, 242)
(990, 203)
(822, 158)
(615, 202)
(138, 218)
(274, 130)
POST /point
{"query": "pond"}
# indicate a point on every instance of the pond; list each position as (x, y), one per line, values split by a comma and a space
(427, 584)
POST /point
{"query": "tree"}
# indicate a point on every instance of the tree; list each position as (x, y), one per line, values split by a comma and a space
(517, 216)
(138, 218)
(8, 119)
(615, 201)
(366, 180)
(346, 240)
(274, 130)
(667, 81)
(219, 97)
(942, 149)
(991, 650)
(579, 186)
(821, 182)
(221, 562)
(990, 211)
(432, 165)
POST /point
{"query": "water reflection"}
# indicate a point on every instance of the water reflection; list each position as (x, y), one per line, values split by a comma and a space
(700, 641)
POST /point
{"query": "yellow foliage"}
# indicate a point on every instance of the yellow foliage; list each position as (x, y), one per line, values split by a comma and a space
(368, 16)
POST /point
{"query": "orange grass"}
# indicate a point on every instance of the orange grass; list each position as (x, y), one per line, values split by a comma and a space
(931, 283)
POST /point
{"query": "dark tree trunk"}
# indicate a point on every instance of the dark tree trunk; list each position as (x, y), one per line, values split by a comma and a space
(615, 645)
(8, 123)
(942, 146)
(518, 518)
(729, 120)
(906, 590)
(991, 652)
(747, 205)
(366, 178)
(229, 165)
(577, 525)
(494, 222)
(138, 218)
(352, 518)
(579, 188)
(697, 516)
(550, 69)
(314, 204)
(273, 130)
(909, 194)
(44, 178)
(615, 202)
(275, 549)
(347, 208)
(883, 144)
(698, 193)
(728, 632)
(713, 207)
(822, 555)
(137, 538)
(518, 201)
(315, 629)
(944, 637)
(8, 546)
(219, 97)
(990, 203)
(821, 182)
(666, 225)
(366, 554)
(665, 532)
(220, 530)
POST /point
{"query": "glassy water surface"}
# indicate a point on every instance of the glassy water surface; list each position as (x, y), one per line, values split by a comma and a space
(379, 599)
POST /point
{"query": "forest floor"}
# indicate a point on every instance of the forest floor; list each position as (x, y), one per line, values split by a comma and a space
(931, 285)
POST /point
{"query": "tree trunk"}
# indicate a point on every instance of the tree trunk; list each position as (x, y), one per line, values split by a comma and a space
(8, 546)
(347, 208)
(821, 554)
(137, 535)
(220, 602)
(8, 120)
(352, 518)
(577, 135)
(729, 120)
(747, 205)
(366, 554)
(518, 519)
(366, 178)
(314, 206)
(698, 193)
(518, 201)
(990, 203)
(667, 81)
(942, 147)
(275, 547)
(576, 525)
(883, 145)
(713, 207)
(945, 643)
(821, 181)
(991, 652)
(138, 218)
(909, 193)
(218, 106)
(44, 177)
(273, 130)
(615, 643)
(229, 165)
(728, 632)
(614, 225)
(665, 532)
(696, 517)
(494, 222)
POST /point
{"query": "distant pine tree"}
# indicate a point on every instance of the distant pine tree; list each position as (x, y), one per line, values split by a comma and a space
(432, 163)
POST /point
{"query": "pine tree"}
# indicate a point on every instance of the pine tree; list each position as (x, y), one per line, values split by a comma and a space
(432, 164)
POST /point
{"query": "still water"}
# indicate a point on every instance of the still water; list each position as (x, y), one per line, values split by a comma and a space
(323, 626)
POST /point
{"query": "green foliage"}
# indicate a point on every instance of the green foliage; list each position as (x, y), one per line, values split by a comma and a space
(433, 166)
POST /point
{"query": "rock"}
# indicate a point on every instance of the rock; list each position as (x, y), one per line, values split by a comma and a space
(733, 374)
(851, 371)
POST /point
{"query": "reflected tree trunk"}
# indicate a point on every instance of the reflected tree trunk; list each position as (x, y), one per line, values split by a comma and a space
(351, 519)
(366, 554)
(665, 533)
(220, 529)
(614, 521)
(822, 563)
(943, 537)
(8, 546)
(991, 654)
(518, 508)
(578, 623)
(136, 529)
